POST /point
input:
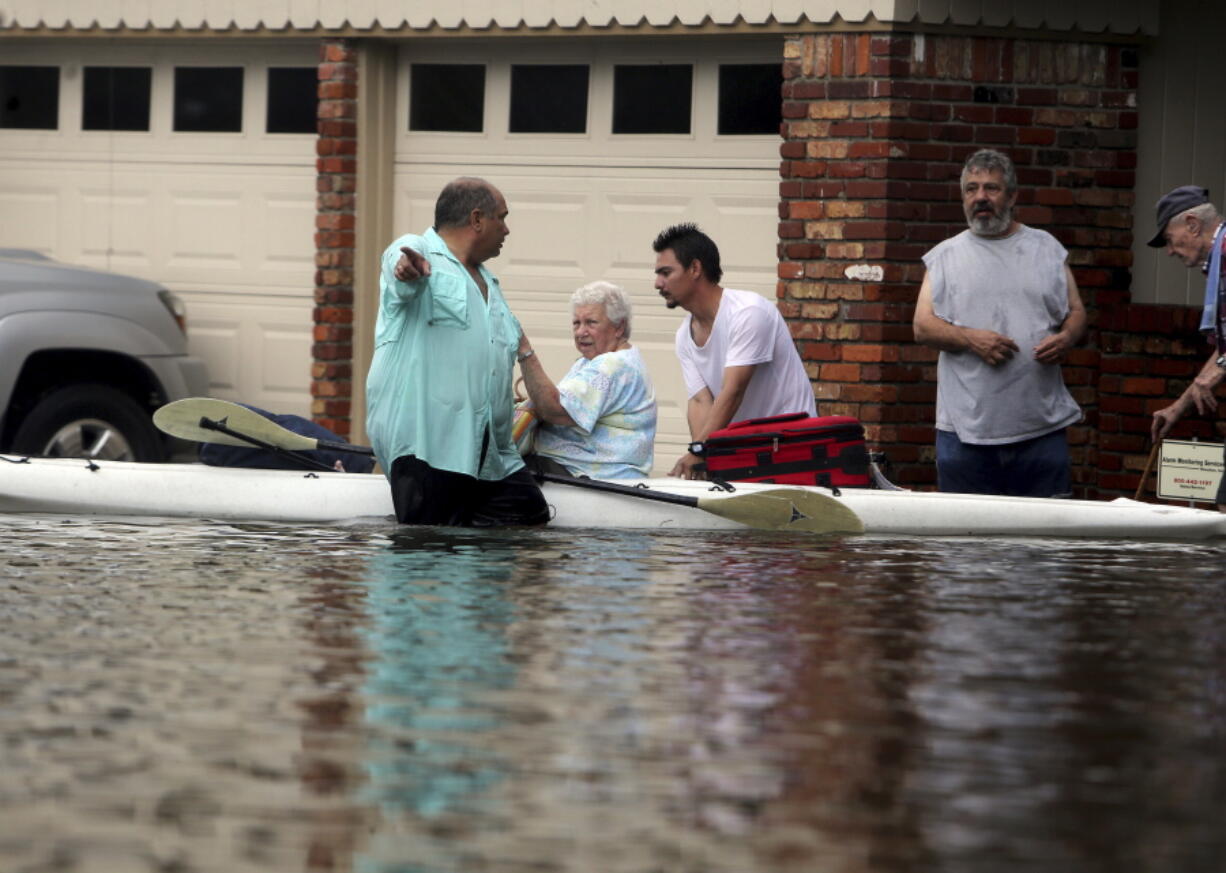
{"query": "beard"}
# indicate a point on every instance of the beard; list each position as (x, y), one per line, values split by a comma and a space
(989, 223)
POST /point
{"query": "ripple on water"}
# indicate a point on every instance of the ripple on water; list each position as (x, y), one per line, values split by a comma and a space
(217, 696)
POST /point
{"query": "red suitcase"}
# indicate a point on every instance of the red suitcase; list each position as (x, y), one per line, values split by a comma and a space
(790, 449)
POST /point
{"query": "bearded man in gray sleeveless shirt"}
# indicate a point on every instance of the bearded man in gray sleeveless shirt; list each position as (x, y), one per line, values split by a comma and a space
(1000, 303)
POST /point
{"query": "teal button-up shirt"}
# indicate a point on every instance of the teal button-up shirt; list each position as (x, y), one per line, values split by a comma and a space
(443, 364)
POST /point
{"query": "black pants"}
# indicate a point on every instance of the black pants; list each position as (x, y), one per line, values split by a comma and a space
(424, 495)
(536, 465)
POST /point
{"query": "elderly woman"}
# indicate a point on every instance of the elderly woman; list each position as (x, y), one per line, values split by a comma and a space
(600, 420)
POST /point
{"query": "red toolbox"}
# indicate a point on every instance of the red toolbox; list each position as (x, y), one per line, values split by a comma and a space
(790, 449)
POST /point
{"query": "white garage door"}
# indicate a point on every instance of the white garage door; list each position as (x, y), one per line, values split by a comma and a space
(192, 183)
(586, 204)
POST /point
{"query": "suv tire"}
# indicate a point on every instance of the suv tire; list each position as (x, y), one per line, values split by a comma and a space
(89, 421)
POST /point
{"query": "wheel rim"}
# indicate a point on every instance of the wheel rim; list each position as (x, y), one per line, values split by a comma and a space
(89, 438)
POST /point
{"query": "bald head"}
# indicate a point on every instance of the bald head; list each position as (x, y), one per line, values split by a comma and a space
(459, 198)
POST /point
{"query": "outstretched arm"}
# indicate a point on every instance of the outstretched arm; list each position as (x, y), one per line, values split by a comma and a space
(707, 414)
(722, 411)
(1198, 394)
(542, 391)
(403, 270)
(697, 412)
(411, 266)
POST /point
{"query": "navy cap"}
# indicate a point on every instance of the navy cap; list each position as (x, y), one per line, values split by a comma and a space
(1178, 200)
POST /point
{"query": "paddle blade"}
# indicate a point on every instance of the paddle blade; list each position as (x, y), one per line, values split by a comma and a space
(785, 509)
(819, 513)
(182, 419)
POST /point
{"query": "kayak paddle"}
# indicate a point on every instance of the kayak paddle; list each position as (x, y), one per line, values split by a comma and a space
(775, 509)
(196, 419)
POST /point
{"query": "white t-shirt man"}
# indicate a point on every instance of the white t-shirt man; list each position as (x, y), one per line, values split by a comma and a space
(748, 330)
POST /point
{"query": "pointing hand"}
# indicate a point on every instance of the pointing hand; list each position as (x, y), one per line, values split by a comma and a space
(412, 265)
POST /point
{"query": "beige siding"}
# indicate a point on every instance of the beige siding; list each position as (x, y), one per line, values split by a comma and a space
(587, 206)
(224, 219)
(1093, 16)
(1182, 138)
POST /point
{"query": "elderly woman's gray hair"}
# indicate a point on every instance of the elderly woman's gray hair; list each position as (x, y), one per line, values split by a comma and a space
(614, 300)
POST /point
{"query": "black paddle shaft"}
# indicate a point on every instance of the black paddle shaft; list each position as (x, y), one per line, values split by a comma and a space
(220, 427)
(628, 490)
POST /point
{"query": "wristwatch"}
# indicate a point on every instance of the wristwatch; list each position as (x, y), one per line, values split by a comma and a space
(525, 356)
(1221, 361)
(696, 449)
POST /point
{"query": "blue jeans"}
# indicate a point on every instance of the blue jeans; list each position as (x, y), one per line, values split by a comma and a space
(1036, 467)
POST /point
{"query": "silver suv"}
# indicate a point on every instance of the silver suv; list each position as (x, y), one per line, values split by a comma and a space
(85, 358)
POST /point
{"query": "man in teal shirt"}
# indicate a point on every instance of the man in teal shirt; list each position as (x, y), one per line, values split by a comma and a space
(438, 396)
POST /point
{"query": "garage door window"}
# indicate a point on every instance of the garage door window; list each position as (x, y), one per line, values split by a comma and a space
(291, 99)
(750, 98)
(208, 99)
(116, 98)
(652, 98)
(548, 98)
(30, 97)
(447, 97)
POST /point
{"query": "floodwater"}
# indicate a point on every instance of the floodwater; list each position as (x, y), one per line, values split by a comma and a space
(183, 696)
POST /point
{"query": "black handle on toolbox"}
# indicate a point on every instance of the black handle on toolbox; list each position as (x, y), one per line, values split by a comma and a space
(770, 419)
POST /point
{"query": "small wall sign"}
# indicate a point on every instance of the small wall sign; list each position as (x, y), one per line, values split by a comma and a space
(1189, 471)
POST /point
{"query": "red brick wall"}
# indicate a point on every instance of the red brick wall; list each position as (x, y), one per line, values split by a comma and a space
(336, 165)
(1149, 355)
(876, 128)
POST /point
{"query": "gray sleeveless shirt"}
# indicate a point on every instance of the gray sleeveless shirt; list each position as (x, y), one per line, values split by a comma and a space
(1015, 286)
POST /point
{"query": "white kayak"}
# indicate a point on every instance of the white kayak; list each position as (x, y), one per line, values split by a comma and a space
(79, 487)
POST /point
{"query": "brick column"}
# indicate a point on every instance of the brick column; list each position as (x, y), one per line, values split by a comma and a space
(876, 128)
(336, 165)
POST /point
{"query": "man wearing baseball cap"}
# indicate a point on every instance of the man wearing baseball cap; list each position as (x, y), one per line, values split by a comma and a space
(1191, 229)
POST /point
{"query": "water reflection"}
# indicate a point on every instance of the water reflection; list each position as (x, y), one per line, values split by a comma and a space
(333, 615)
(214, 697)
(1073, 710)
(157, 691)
(440, 614)
(637, 705)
